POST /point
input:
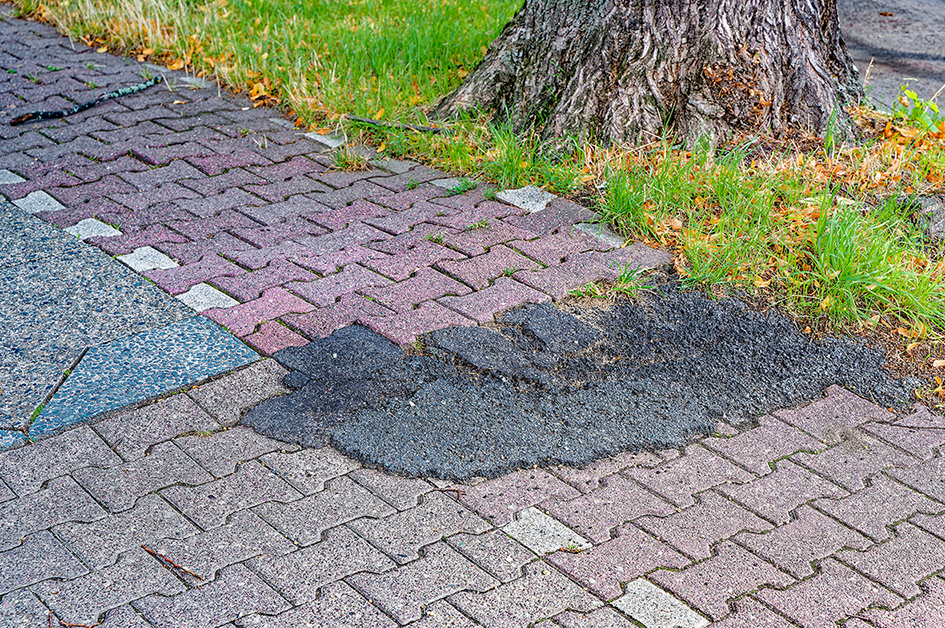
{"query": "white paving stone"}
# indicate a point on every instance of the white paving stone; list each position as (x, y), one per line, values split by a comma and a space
(655, 608)
(529, 198)
(38, 201)
(91, 228)
(543, 534)
(196, 82)
(331, 141)
(205, 297)
(7, 177)
(147, 258)
(602, 232)
(282, 122)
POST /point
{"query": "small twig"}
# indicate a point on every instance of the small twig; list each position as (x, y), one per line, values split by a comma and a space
(458, 492)
(170, 562)
(65, 624)
(419, 128)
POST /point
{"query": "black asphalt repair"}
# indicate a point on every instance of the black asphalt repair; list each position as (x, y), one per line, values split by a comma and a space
(559, 386)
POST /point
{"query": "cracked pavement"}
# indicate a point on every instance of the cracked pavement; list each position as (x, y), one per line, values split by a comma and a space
(171, 514)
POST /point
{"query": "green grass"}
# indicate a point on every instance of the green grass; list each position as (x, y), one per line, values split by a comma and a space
(812, 231)
(373, 58)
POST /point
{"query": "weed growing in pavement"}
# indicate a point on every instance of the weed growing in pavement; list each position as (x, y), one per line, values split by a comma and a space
(34, 79)
(436, 238)
(347, 159)
(412, 184)
(462, 186)
(508, 272)
(590, 290)
(482, 224)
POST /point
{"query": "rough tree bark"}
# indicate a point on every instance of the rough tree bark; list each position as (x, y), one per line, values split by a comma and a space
(618, 71)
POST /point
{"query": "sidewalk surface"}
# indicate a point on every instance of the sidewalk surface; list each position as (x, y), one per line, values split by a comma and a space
(170, 514)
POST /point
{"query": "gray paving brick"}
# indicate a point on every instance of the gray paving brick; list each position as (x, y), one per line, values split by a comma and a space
(831, 416)
(92, 228)
(589, 478)
(244, 536)
(118, 488)
(441, 614)
(812, 536)
(605, 567)
(304, 520)
(82, 600)
(757, 448)
(403, 534)
(221, 452)
(441, 572)
(209, 504)
(132, 433)
(709, 585)
(498, 499)
(98, 544)
(494, 552)
(834, 594)
(749, 613)
(543, 592)
(856, 457)
(237, 592)
(308, 469)
(927, 478)
(874, 508)
(25, 469)
(775, 495)
(596, 513)
(926, 610)
(401, 493)
(680, 479)
(655, 608)
(604, 617)
(228, 397)
(298, 576)
(339, 606)
(123, 617)
(22, 609)
(38, 557)
(695, 529)
(901, 562)
(62, 500)
(921, 433)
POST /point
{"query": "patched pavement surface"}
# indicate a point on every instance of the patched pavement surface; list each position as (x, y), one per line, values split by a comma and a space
(172, 514)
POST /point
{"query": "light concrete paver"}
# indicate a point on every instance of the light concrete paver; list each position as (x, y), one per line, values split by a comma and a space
(92, 228)
(205, 297)
(655, 608)
(543, 534)
(529, 198)
(147, 258)
(38, 201)
(7, 177)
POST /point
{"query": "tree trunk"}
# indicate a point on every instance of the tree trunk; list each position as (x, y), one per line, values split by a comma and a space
(620, 71)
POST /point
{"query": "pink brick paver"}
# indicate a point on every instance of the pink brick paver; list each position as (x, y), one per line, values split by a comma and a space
(831, 514)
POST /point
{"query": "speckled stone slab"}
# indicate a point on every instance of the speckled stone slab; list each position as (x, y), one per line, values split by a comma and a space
(59, 296)
(24, 237)
(141, 366)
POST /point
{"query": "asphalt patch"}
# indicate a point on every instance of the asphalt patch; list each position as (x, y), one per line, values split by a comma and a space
(562, 385)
